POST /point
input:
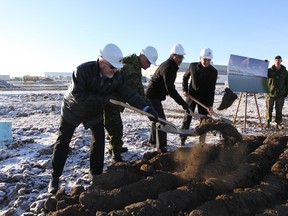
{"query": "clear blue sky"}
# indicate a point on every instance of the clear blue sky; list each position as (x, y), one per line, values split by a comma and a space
(38, 36)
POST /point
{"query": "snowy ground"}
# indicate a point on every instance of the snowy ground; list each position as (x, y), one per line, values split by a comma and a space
(25, 165)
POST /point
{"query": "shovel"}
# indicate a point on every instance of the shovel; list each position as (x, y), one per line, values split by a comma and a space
(163, 124)
(228, 121)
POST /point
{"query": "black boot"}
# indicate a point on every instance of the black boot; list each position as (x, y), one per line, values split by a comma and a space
(267, 125)
(116, 156)
(53, 185)
(124, 149)
(183, 139)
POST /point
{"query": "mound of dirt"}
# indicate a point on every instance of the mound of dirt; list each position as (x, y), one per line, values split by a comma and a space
(238, 176)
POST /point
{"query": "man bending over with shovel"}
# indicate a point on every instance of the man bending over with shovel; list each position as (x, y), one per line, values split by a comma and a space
(93, 84)
(201, 87)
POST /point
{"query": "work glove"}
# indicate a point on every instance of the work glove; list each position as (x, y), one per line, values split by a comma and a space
(152, 111)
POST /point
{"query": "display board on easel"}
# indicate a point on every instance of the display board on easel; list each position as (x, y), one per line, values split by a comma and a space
(247, 76)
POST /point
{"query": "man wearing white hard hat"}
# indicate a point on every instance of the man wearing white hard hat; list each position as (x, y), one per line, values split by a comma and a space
(162, 85)
(133, 64)
(93, 84)
(203, 77)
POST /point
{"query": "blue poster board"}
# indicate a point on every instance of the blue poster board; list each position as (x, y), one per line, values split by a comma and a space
(247, 74)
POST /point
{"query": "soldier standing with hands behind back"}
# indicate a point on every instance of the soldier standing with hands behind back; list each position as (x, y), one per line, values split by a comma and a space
(277, 81)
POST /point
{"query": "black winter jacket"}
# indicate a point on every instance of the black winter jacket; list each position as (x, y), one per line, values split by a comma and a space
(89, 92)
(202, 83)
(162, 83)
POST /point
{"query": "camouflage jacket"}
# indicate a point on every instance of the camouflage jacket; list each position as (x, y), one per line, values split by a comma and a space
(277, 81)
(132, 73)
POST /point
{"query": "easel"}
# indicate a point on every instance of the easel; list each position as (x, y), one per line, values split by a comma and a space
(245, 116)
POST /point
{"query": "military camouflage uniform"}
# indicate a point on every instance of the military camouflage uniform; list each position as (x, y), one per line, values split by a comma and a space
(112, 113)
(277, 91)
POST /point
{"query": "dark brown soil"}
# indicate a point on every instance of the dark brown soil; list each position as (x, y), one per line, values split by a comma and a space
(237, 176)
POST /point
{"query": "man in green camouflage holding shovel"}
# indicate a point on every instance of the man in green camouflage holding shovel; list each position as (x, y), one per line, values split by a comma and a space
(133, 79)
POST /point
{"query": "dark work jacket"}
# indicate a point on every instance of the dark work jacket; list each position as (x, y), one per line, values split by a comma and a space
(162, 83)
(89, 93)
(202, 83)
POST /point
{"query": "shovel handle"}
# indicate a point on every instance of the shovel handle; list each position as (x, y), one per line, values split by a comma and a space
(119, 103)
(213, 113)
(197, 101)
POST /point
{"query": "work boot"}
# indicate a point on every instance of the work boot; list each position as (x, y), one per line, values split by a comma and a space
(53, 185)
(267, 125)
(124, 149)
(95, 179)
(148, 143)
(279, 126)
(162, 149)
(116, 156)
(183, 139)
(182, 142)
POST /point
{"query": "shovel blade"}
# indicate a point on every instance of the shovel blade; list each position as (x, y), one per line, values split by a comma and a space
(175, 130)
(227, 100)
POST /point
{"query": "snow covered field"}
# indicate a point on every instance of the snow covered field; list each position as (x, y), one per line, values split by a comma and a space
(25, 165)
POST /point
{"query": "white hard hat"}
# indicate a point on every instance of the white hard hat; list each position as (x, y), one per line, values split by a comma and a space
(177, 49)
(206, 53)
(151, 54)
(112, 54)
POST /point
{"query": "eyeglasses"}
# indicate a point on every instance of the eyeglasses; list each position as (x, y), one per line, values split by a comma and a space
(109, 65)
(179, 56)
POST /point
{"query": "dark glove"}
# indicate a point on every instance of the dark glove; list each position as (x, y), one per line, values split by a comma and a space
(152, 111)
(285, 95)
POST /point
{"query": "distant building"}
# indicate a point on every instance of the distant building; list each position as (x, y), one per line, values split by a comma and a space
(63, 76)
(5, 77)
(222, 72)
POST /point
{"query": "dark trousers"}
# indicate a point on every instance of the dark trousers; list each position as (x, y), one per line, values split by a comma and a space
(279, 103)
(187, 118)
(61, 148)
(157, 105)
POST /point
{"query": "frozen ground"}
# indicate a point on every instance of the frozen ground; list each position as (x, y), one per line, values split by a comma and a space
(25, 165)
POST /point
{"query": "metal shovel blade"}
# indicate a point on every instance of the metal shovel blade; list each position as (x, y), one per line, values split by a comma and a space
(175, 130)
(164, 125)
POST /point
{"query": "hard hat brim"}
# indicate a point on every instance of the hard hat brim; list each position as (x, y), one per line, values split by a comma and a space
(118, 65)
(152, 62)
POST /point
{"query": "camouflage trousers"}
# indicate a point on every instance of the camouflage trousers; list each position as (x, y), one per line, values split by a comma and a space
(114, 126)
(279, 103)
